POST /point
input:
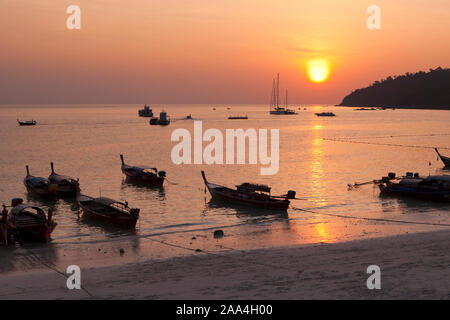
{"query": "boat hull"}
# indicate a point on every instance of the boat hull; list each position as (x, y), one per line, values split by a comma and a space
(30, 224)
(64, 188)
(106, 213)
(281, 205)
(158, 122)
(44, 190)
(67, 191)
(282, 112)
(395, 190)
(39, 233)
(120, 221)
(28, 123)
(144, 178)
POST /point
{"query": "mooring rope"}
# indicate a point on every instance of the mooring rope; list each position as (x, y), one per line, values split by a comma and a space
(383, 144)
(53, 267)
(373, 219)
(395, 136)
(218, 254)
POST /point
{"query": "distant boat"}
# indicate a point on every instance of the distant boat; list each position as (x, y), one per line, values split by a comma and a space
(255, 195)
(143, 174)
(275, 100)
(146, 112)
(66, 186)
(445, 160)
(30, 221)
(365, 109)
(27, 123)
(39, 186)
(188, 117)
(325, 114)
(109, 210)
(237, 117)
(163, 120)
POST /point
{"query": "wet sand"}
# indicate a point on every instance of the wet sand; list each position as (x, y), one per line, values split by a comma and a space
(413, 266)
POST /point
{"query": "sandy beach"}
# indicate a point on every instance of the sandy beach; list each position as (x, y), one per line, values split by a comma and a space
(413, 266)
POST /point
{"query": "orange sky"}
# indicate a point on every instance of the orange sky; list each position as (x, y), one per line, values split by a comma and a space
(203, 51)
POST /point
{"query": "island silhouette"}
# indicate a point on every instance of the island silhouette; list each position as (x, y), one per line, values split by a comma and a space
(420, 90)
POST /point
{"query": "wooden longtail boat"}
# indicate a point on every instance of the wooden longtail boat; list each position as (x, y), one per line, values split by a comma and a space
(255, 195)
(39, 186)
(27, 123)
(325, 114)
(237, 117)
(109, 210)
(67, 186)
(4, 236)
(143, 174)
(436, 188)
(445, 160)
(30, 221)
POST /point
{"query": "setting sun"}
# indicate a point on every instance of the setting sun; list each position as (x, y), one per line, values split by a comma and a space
(318, 70)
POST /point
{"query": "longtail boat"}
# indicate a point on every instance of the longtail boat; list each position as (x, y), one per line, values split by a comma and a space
(26, 123)
(436, 188)
(325, 114)
(30, 221)
(67, 186)
(4, 236)
(143, 174)
(445, 160)
(109, 210)
(39, 186)
(237, 117)
(255, 195)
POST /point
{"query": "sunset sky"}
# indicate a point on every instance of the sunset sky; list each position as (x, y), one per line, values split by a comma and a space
(203, 51)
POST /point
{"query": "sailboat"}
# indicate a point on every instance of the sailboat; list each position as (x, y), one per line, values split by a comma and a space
(275, 100)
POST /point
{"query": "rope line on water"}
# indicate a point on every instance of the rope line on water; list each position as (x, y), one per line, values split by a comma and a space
(384, 144)
(396, 136)
(217, 254)
(52, 267)
(374, 219)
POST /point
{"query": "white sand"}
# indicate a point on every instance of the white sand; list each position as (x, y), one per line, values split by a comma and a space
(412, 266)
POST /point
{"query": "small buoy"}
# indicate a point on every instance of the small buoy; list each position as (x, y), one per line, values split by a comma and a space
(193, 238)
(218, 234)
(122, 251)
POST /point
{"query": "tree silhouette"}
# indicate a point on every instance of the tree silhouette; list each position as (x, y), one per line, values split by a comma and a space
(425, 90)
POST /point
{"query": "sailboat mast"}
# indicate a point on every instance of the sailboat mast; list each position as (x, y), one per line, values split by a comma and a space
(278, 90)
(272, 98)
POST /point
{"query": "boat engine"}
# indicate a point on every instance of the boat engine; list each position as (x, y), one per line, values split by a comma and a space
(161, 174)
(290, 194)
